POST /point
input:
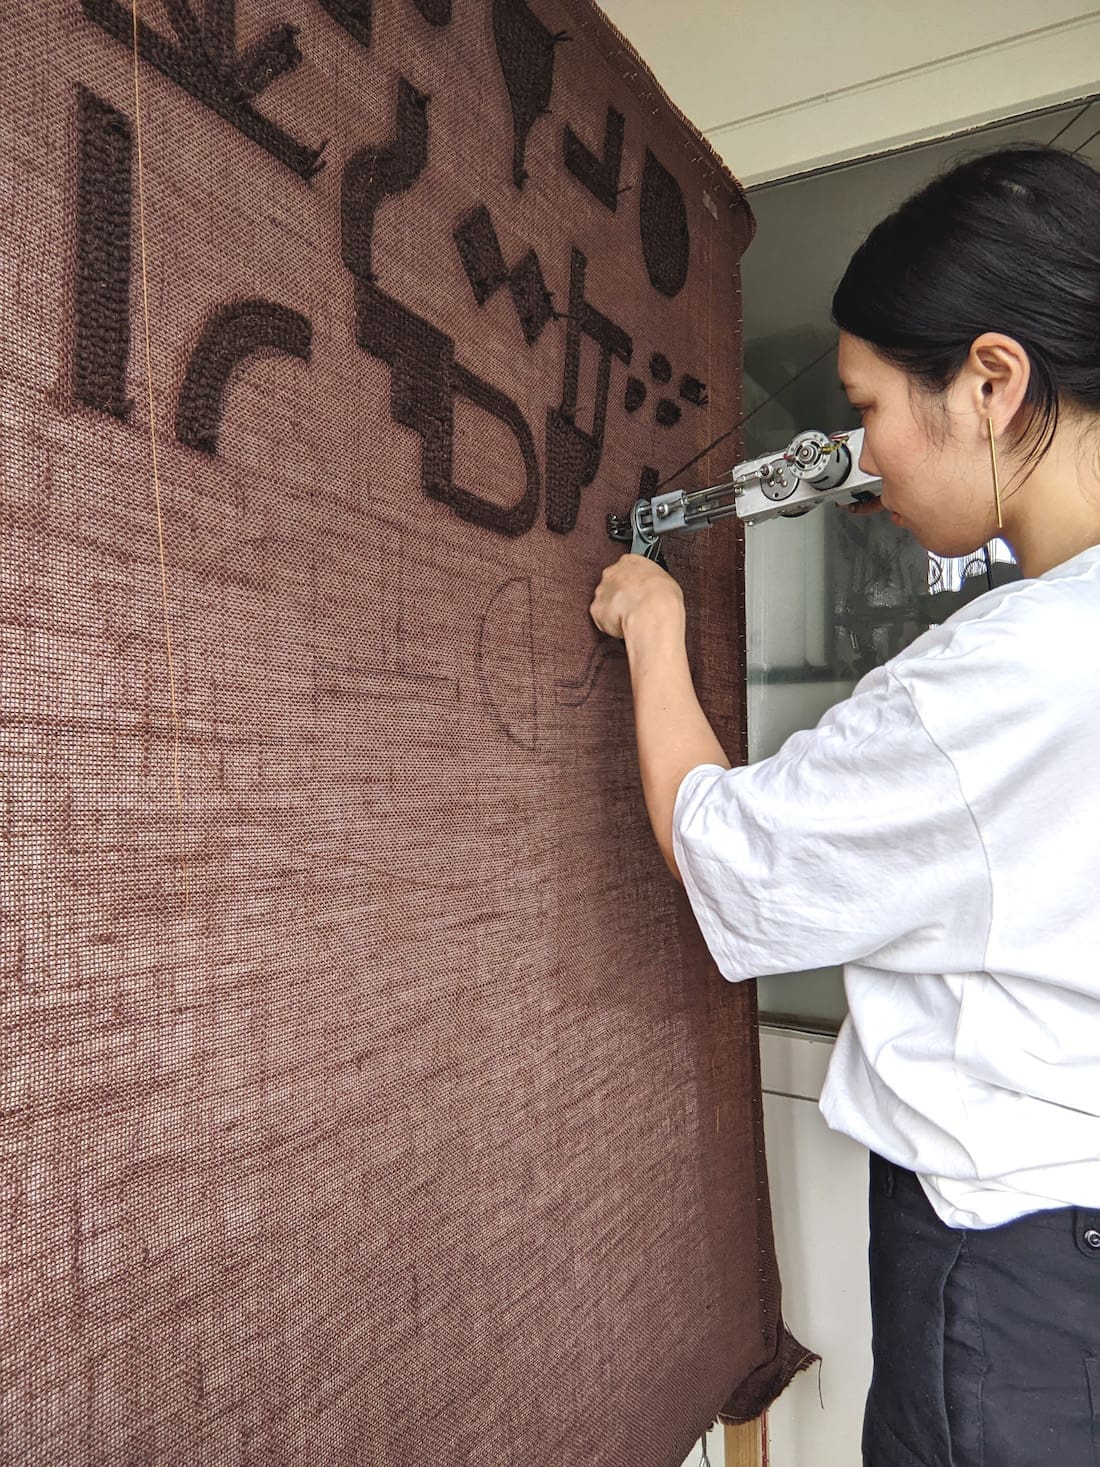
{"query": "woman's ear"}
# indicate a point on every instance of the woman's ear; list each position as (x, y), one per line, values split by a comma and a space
(997, 373)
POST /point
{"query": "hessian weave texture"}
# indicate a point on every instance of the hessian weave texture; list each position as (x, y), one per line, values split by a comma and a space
(368, 1094)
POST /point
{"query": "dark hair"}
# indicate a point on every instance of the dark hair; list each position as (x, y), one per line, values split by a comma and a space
(1007, 242)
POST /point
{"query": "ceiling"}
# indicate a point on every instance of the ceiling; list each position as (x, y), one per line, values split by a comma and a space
(784, 87)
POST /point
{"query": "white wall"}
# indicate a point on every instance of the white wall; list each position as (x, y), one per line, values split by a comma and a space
(819, 1205)
(782, 88)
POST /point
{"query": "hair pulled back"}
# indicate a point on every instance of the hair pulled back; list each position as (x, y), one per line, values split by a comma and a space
(1007, 242)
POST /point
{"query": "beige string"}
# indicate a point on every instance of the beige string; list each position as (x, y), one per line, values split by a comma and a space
(177, 724)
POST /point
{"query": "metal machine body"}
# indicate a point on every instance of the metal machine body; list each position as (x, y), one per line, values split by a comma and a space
(813, 469)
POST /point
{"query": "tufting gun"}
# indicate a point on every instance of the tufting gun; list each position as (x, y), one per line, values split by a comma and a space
(815, 468)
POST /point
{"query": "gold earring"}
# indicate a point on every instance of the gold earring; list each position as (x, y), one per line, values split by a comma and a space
(996, 476)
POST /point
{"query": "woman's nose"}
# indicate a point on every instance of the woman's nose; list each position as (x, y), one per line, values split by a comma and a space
(867, 463)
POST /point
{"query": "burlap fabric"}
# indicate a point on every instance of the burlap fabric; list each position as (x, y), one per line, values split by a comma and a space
(369, 1097)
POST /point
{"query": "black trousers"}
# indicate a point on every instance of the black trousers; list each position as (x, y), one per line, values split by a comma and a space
(986, 1341)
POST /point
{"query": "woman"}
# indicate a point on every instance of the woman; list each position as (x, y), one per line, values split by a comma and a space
(939, 832)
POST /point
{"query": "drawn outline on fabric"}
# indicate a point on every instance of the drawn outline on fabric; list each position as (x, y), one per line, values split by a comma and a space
(575, 692)
(510, 605)
(384, 674)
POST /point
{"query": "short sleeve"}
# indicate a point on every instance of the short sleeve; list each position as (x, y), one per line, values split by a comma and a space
(853, 843)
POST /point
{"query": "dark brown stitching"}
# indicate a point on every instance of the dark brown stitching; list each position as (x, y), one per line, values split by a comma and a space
(480, 252)
(526, 52)
(435, 12)
(663, 222)
(512, 519)
(104, 189)
(424, 374)
(231, 335)
(356, 17)
(600, 176)
(693, 391)
(532, 300)
(572, 455)
(219, 31)
(374, 174)
(207, 67)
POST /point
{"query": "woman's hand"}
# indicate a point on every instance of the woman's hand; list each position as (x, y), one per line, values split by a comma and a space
(632, 589)
(871, 505)
(641, 603)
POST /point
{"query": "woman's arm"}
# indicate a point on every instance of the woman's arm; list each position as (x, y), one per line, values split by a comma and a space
(639, 602)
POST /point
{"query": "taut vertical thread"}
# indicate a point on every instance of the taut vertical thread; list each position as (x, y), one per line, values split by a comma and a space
(176, 722)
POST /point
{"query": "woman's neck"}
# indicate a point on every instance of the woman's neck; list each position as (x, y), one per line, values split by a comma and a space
(1055, 513)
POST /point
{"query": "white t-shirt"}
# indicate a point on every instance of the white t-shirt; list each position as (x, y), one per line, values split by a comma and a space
(938, 833)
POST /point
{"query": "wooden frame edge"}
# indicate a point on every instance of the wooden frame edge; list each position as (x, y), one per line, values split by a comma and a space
(743, 1445)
